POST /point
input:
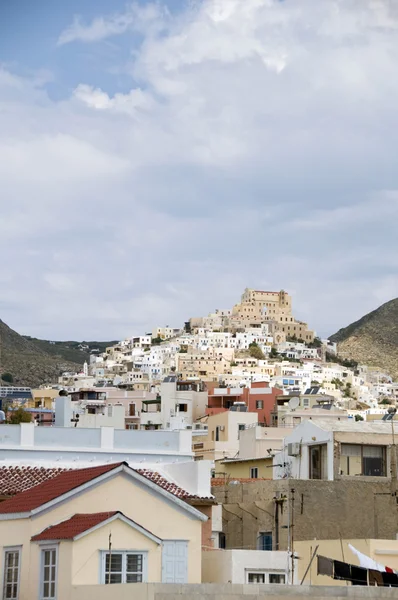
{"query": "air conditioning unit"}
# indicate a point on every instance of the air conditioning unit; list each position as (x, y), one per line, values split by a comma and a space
(293, 449)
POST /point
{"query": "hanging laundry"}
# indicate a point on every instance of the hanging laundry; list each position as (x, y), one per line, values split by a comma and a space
(390, 579)
(365, 561)
(325, 566)
(376, 578)
(342, 570)
(359, 575)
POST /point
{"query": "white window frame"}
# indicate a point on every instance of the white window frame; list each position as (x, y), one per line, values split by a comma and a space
(257, 573)
(7, 549)
(45, 548)
(124, 553)
(253, 470)
(279, 575)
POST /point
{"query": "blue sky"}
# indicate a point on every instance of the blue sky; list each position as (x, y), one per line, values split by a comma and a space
(157, 158)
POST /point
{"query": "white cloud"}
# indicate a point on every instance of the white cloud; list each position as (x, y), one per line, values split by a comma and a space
(134, 18)
(254, 148)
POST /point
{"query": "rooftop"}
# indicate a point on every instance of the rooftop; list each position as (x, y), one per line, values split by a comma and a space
(33, 486)
(69, 529)
(350, 425)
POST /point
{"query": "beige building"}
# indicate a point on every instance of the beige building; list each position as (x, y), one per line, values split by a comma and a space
(223, 432)
(274, 307)
(106, 524)
(207, 366)
(257, 446)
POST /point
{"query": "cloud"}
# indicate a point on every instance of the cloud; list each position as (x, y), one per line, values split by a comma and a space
(254, 147)
(135, 18)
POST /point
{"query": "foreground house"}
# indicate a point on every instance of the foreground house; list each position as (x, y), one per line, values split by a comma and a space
(106, 524)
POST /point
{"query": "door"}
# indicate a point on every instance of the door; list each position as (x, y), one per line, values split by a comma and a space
(175, 562)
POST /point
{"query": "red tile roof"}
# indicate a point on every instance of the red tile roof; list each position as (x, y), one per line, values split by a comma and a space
(32, 486)
(53, 488)
(14, 480)
(67, 530)
(165, 484)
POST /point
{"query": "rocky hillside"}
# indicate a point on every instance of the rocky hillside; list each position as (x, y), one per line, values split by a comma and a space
(372, 340)
(29, 364)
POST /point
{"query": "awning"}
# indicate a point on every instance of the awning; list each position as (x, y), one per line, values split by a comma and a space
(157, 401)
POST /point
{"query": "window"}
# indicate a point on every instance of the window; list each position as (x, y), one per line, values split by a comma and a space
(254, 473)
(306, 402)
(241, 426)
(123, 567)
(264, 540)
(12, 559)
(256, 578)
(259, 404)
(276, 578)
(369, 461)
(222, 542)
(48, 574)
(183, 407)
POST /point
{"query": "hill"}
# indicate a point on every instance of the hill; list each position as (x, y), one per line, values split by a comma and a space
(33, 362)
(373, 339)
(73, 351)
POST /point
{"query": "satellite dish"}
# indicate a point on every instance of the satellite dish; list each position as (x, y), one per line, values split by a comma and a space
(294, 402)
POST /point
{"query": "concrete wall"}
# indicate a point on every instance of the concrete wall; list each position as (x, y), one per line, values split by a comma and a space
(322, 510)
(225, 592)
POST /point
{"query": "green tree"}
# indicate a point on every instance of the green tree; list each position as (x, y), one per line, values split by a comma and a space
(359, 418)
(385, 401)
(273, 353)
(17, 416)
(156, 341)
(7, 377)
(255, 351)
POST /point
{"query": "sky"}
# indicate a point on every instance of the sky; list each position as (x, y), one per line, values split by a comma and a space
(156, 158)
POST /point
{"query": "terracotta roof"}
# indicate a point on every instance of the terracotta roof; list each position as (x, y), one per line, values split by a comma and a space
(32, 486)
(14, 480)
(53, 488)
(165, 484)
(67, 530)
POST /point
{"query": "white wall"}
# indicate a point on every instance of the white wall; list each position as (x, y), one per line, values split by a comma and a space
(306, 434)
(232, 566)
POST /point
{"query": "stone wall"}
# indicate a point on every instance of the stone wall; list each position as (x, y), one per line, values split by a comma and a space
(318, 509)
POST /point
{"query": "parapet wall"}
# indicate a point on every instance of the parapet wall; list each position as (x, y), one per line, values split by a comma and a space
(208, 591)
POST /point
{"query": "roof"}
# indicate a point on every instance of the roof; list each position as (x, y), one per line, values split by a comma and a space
(167, 485)
(53, 488)
(81, 524)
(69, 529)
(32, 487)
(14, 480)
(350, 425)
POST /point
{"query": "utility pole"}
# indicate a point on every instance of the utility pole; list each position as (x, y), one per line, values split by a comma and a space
(393, 459)
(292, 535)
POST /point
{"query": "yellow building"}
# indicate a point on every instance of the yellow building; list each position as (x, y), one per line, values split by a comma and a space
(106, 524)
(43, 398)
(244, 468)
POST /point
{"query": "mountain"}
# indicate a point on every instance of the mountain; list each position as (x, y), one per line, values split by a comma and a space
(32, 362)
(373, 340)
(73, 351)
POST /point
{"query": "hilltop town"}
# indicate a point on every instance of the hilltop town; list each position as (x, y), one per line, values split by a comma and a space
(236, 449)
